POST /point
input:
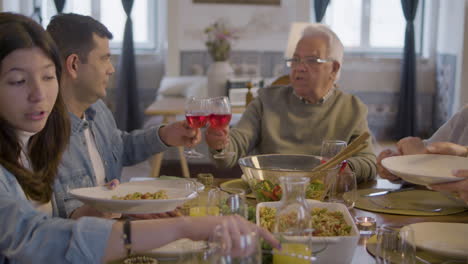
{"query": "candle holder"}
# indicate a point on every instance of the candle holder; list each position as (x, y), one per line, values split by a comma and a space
(366, 225)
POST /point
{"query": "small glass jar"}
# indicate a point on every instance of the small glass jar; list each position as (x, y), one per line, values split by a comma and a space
(366, 225)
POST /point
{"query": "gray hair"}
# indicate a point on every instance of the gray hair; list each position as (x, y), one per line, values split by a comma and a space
(334, 44)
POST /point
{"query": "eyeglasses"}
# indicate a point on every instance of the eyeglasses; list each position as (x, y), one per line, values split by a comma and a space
(309, 61)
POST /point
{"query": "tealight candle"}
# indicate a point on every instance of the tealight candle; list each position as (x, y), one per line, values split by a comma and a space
(366, 225)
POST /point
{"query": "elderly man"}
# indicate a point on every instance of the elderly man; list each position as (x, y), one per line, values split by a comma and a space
(453, 133)
(296, 119)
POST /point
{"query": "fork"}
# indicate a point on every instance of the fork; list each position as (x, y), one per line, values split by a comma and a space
(435, 210)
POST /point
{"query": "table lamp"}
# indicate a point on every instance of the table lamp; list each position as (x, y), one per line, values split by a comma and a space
(295, 33)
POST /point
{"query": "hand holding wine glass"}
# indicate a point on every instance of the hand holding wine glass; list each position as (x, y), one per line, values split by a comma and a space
(220, 116)
(196, 111)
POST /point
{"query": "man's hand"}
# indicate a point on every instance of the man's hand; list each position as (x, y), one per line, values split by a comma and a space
(384, 173)
(411, 146)
(447, 148)
(460, 187)
(180, 134)
(217, 138)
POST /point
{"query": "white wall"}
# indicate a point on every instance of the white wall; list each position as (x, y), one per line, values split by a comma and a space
(265, 28)
(262, 27)
(450, 40)
(463, 91)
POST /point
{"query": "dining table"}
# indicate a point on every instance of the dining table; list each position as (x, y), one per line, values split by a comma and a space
(361, 254)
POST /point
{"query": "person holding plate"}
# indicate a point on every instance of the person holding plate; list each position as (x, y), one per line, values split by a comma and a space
(448, 148)
(98, 149)
(296, 119)
(34, 132)
(454, 132)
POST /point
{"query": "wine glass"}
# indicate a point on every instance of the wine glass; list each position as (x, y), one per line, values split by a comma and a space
(220, 116)
(395, 245)
(330, 148)
(344, 190)
(196, 114)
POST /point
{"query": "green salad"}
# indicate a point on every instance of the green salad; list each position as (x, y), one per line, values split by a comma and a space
(267, 191)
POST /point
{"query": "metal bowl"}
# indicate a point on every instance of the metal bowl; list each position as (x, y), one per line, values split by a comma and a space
(262, 173)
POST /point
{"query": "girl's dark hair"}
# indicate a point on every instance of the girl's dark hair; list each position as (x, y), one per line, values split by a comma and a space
(46, 147)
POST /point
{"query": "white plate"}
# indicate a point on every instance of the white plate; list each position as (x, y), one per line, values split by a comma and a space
(179, 247)
(101, 197)
(176, 181)
(425, 169)
(447, 239)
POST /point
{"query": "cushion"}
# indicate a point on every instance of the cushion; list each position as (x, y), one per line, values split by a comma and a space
(178, 86)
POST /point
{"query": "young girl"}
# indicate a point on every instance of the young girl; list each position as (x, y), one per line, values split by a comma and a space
(33, 133)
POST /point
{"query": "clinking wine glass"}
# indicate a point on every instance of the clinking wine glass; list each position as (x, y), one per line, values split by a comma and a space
(196, 114)
(220, 116)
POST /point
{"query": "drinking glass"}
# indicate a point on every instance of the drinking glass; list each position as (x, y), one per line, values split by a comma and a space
(344, 189)
(224, 249)
(220, 116)
(330, 148)
(395, 245)
(233, 201)
(196, 114)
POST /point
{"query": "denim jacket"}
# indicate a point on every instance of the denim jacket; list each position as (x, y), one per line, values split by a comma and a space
(29, 236)
(116, 148)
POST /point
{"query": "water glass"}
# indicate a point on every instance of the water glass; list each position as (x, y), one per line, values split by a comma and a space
(395, 245)
(330, 148)
(233, 201)
(245, 248)
(344, 189)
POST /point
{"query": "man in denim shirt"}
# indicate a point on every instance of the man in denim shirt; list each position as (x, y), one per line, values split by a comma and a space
(98, 150)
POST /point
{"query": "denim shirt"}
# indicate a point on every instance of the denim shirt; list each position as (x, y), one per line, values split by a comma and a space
(116, 148)
(29, 236)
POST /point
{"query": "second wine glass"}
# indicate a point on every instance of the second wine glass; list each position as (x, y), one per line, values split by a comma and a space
(196, 114)
(220, 116)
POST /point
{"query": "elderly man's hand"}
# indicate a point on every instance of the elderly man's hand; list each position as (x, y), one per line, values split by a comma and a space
(460, 187)
(180, 134)
(411, 146)
(447, 148)
(217, 138)
(384, 173)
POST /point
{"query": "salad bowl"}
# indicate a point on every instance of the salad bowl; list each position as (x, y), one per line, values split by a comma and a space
(262, 173)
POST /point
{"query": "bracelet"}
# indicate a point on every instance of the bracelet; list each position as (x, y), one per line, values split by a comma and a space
(127, 236)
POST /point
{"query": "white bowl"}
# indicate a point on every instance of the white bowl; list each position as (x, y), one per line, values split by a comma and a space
(425, 169)
(345, 245)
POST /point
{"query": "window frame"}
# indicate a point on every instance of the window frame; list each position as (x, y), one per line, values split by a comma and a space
(365, 48)
(153, 22)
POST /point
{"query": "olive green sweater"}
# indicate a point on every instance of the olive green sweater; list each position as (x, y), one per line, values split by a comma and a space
(277, 121)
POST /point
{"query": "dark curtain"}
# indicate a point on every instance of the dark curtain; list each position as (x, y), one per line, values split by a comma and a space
(36, 15)
(406, 118)
(59, 5)
(128, 115)
(320, 7)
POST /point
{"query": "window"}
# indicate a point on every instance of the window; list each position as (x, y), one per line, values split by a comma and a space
(112, 14)
(371, 26)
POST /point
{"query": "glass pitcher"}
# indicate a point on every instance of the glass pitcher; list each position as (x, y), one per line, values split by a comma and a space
(293, 222)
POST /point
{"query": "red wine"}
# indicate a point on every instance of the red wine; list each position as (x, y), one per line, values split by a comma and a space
(219, 121)
(196, 121)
